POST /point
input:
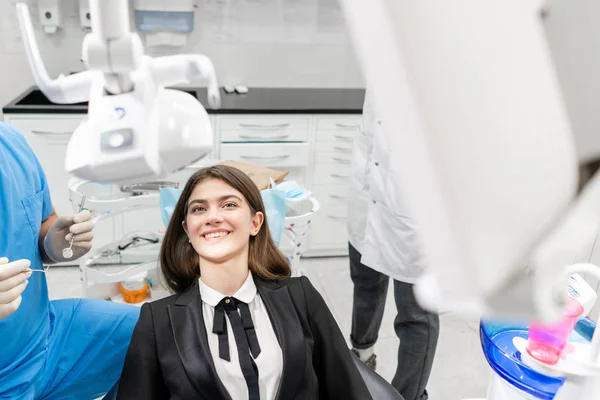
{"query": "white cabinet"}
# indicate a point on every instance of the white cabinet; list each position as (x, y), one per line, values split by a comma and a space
(332, 155)
(314, 149)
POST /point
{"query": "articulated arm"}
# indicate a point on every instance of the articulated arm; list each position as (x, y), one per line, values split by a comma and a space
(62, 90)
(184, 68)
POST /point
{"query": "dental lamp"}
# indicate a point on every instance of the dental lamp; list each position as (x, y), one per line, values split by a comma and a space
(136, 130)
(491, 114)
(480, 121)
(490, 110)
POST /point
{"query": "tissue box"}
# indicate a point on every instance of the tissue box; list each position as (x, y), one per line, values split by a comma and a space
(260, 175)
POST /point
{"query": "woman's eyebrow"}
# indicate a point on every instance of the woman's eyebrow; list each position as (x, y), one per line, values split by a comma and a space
(222, 198)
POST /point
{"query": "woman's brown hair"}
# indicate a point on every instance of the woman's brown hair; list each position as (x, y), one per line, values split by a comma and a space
(179, 261)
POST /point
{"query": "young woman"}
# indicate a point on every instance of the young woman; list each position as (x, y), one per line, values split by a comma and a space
(238, 327)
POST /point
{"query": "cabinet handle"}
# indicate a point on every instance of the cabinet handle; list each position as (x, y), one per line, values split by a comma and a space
(338, 176)
(262, 126)
(345, 126)
(342, 149)
(344, 138)
(336, 217)
(265, 158)
(248, 137)
(341, 160)
(335, 196)
(51, 133)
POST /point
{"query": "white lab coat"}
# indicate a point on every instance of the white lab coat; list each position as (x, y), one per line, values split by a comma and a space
(378, 224)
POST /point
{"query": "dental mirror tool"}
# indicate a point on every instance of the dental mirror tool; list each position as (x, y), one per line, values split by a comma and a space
(68, 251)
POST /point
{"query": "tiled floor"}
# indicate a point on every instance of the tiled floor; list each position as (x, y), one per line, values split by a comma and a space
(460, 370)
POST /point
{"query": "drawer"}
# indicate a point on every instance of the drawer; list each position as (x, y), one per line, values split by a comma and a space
(342, 123)
(269, 155)
(263, 135)
(331, 195)
(263, 123)
(344, 137)
(262, 128)
(332, 173)
(329, 228)
(338, 129)
(342, 148)
(334, 158)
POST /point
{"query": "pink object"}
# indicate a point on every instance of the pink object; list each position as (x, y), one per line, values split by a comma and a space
(546, 342)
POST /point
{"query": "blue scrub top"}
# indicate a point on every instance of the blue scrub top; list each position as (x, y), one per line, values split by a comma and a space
(24, 204)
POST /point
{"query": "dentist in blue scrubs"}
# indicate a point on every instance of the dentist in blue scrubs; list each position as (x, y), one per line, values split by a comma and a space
(62, 349)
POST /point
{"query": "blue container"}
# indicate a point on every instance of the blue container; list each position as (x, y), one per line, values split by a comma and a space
(505, 359)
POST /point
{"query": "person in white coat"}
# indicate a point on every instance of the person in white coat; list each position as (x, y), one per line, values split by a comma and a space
(383, 245)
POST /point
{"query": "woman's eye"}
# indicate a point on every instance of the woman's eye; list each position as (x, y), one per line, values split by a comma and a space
(230, 205)
(197, 209)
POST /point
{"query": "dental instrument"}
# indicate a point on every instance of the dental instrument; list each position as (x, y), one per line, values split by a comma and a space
(68, 252)
(40, 270)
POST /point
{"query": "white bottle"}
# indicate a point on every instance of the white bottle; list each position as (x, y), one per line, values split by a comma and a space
(581, 291)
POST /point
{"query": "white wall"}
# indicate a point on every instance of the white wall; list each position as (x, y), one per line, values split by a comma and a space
(268, 43)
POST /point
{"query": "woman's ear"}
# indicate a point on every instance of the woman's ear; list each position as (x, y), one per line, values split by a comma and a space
(184, 225)
(257, 221)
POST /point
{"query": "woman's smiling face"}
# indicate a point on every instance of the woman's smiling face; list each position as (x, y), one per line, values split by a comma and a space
(219, 222)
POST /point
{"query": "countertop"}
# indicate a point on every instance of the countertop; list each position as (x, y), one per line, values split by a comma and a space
(256, 101)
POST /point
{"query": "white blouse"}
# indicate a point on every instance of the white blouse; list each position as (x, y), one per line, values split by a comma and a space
(270, 359)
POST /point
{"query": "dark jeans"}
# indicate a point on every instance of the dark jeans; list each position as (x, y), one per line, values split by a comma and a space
(417, 329)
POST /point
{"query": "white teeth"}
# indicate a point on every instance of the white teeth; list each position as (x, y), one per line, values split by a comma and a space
(215, 234)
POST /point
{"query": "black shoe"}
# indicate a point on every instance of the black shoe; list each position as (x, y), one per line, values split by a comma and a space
(371, 361)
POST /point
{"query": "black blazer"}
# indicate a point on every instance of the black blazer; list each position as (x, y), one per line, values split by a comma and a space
(169, 356)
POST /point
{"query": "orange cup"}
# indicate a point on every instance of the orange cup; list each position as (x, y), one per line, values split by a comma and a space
(134, 292)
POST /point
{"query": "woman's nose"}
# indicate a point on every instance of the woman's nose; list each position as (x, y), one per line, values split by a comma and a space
(213, 216)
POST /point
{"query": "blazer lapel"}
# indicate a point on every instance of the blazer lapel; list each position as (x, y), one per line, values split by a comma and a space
(288, 329)
(191, 341)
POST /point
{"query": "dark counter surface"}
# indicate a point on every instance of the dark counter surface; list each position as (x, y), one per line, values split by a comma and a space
(256, 101)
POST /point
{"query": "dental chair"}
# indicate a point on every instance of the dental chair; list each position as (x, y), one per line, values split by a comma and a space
(379, 388)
